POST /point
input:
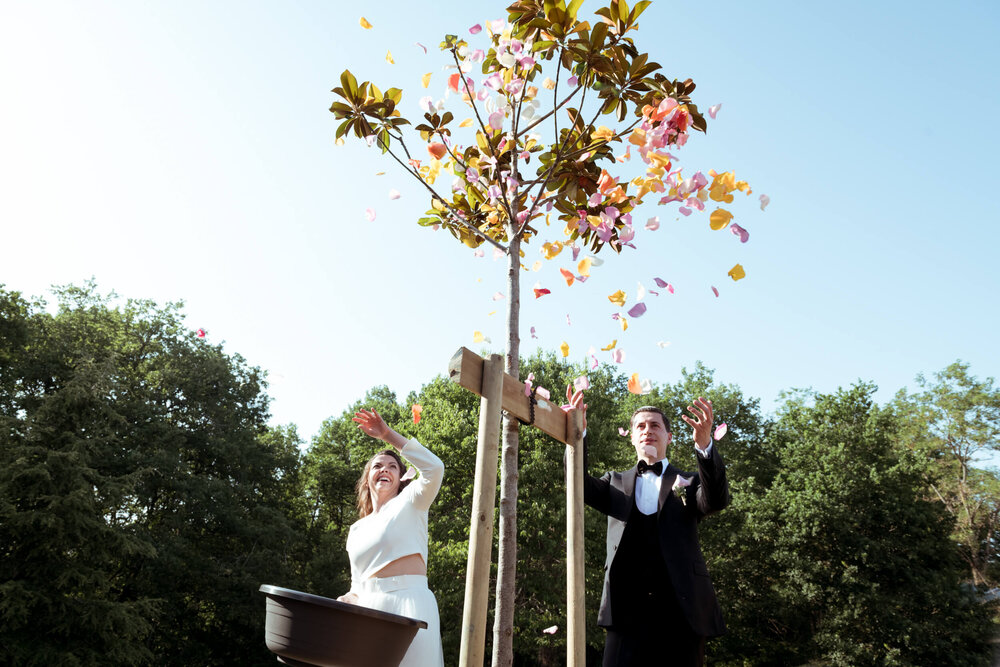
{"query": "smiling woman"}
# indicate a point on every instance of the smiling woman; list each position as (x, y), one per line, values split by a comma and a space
(387, 546)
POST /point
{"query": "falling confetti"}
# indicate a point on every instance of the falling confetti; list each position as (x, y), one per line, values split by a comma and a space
(388, 58)
(618, 355)
(564, 348)
(740, 232)
(737, 272)
(540, 291)
(610, 346)
(437, 150)
(416, 409)
(663, 343)
(652, 224)
(498, 296)
(200, 333)
(426, 79)
(764, 201)
(394, 194)
(370, 214)
(568, 276)
(714, 109)
(618, 298)
(551, 630)
(622, 432)
(581, 383)
(720, 431)
(719, 219)
(421, 46)
(365, 24)
(476, 29)
(637, 310)
(533, 334)
(715, 291)
(478, 337)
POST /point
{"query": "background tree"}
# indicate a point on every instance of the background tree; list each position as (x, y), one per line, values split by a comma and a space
(142, 499)
(498, 196)
(955, 421)
(853, 558)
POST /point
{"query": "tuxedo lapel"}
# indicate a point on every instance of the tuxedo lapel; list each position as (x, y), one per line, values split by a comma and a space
(666, 484)
(628, 482)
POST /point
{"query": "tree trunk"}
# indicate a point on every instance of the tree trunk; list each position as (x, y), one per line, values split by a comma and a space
(503, 620)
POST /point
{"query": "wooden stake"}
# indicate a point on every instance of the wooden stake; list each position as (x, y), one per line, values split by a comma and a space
(477, 574)
(576, 638)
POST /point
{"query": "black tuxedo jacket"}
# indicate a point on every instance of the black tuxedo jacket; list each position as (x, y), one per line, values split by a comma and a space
(677, 523)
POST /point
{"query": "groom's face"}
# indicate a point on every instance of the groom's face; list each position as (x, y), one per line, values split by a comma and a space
(650, 436)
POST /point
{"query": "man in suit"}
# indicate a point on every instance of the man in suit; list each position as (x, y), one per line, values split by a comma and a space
(658, 604)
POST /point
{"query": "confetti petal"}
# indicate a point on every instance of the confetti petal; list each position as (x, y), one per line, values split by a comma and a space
(637, 310)
(610, 346)
(498, 296)
(715, 291)
(437, 150)
(714, 109)
(662, 344)
(564, 348)
(200, 333)
(634, 386)
(737, 273)
(426, 79)
(739, 231)
(551, 630)
(540, 291)
(618, 355)
(719, 219)
(365, 24)
(593, 363)
(652, 224)
(416, 409)
(394, 194)
(618, 298)
(622, 432)
(533, 334)
(720, 431)
(478, 337)
(764, 201)
(568, 276)
(584, 267)
(421, 46)
(370, 214)
(581, 383)
(466, 123)
(388, 58)
(476, 29)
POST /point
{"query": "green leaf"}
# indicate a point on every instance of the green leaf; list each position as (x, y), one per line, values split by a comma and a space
(349, 83)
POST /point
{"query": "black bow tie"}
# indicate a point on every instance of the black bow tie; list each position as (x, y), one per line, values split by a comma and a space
(657, 467)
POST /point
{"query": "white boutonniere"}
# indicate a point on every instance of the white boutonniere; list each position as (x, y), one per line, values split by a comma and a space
(679, 484)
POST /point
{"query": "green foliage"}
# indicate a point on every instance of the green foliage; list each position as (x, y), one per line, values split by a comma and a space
(142, 500)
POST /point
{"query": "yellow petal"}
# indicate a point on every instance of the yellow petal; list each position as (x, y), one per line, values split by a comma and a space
(564, 348)
(618, 298)
(426, 79)
(602, 134)
(548, 84)
(584, 266)
(624, 324)
(465, 123)
(492, 312)
(550, 250)
(719, 219)
(537, 266)
(737, 272)
(611, 346)
(388, 58)
(478, 337)
(365, 24)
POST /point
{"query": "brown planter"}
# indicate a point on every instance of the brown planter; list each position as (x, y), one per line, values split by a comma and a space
(304, 629)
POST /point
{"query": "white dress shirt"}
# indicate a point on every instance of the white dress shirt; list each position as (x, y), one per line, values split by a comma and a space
(647, 485)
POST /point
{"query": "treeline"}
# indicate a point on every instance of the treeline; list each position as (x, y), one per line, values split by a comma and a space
(144, 499)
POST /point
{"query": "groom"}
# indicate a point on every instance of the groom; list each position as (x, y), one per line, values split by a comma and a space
(658, 604)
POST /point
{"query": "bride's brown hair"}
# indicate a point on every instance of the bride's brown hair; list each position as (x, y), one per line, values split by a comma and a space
(365, 506)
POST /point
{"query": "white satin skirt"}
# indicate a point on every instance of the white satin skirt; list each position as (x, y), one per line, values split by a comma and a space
(407, 595)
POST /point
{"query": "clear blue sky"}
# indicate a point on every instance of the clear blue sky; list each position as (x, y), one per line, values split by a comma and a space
(183, 151)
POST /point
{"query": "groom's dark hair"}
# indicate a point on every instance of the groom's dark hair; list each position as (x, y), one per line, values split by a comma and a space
(650, 408)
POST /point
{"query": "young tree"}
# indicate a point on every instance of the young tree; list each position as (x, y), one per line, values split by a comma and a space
(499, 195)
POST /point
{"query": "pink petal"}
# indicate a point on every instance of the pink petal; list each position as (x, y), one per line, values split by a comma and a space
(572, 81)
(200, 333)
(581, 383)
(618, 355)
(394, 194)
(720, 431)
(542, 392)
(660, 282)
(497, 253)
(370, 214)
(568, 323)
(712, 110)
(478, 253)
(551, 631)
(764, 201)
(496, 120)
(637, 310)
(653, 223)
(498, 296)
(527, 384)
(684, 210)
(593, 362)
(421, 46)
(739, 231)
(622, 432)
(476, 29)
(715, 290)
(533, 335)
